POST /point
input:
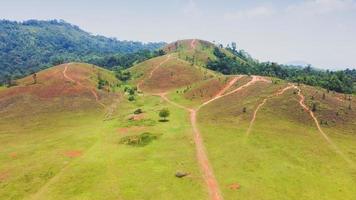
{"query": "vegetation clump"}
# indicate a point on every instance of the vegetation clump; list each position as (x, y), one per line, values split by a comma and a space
(139, 140)
(163, 114)
(138, 111)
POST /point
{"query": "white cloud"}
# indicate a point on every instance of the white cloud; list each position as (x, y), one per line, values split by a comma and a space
(322, 6)
(255, 12)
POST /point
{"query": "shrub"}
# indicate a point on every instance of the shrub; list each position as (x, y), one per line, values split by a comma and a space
(131, 98)
(164, 113)
(138, 111)
(139, 140)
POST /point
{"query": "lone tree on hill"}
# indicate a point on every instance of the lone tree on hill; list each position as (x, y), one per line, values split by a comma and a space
(314, 107)
(34, 76)
(164, 113)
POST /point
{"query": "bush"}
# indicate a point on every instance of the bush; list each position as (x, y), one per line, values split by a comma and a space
(138, 111)
(139, 140)
(131, 98)
(164, 113)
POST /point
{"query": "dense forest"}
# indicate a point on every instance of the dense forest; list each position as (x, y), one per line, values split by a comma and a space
(29, 46)
(242, 63)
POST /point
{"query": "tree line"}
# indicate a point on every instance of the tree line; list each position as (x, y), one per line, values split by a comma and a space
(242, 63)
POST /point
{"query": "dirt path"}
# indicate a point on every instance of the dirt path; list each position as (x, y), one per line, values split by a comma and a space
(280, 92)
(139, 84)
(251, 82)
(208, 174)
(203, 161)
(223, 90)
(193, 44)
(322, 133)
(92, 90)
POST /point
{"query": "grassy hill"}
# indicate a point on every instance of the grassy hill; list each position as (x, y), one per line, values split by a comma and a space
(229, 136)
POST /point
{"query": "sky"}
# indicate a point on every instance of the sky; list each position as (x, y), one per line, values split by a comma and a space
(319, 32)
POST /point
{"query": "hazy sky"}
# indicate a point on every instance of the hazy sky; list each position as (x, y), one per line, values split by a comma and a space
(321, 32)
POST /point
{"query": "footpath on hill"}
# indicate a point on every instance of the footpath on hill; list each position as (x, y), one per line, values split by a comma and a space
(202, 157)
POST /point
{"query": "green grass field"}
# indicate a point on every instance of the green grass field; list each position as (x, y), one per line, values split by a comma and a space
(35, 164)
(287, 161)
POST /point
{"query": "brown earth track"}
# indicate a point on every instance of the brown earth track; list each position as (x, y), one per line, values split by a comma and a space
(223, 90)
(310, 112)
(280, 92)
(208, 174)
(322, 133)
(92, 90)
(139, 84)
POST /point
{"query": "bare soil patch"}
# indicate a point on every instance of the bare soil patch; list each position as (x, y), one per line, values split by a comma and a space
(73, 153)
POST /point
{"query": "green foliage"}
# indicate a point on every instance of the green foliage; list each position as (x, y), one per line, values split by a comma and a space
(131, 98)
(314, 107)
(102, 83)
(138, 111)
(243, 63)
(139, 140)
(164, 113)
(122, 75)
(30, 46)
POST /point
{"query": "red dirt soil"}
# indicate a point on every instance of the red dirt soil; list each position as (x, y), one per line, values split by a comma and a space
(13, 155)
(73, 154)
(54, 82)
(139, 84)
(234, 186)
(92, 90)
(4, 175)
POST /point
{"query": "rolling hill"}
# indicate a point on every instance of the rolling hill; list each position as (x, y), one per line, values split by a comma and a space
(227, 136)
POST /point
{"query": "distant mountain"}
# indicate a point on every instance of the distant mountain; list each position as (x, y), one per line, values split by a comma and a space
(32, 45)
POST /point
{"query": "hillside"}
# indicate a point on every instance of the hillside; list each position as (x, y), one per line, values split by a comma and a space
(29, 46)
(227, 136)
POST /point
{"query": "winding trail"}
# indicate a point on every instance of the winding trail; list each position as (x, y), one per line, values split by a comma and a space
(92, 90)
(223, 90)
(280, 92)
(322, 133)
(202, 157)
(221, 93)
(203, 160)
(305, 107)
(139, 84)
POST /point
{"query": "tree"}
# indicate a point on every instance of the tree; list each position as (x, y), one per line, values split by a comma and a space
(314, 107)
(34, 76)
(131, 98)
(233, 45)
(164, 113)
